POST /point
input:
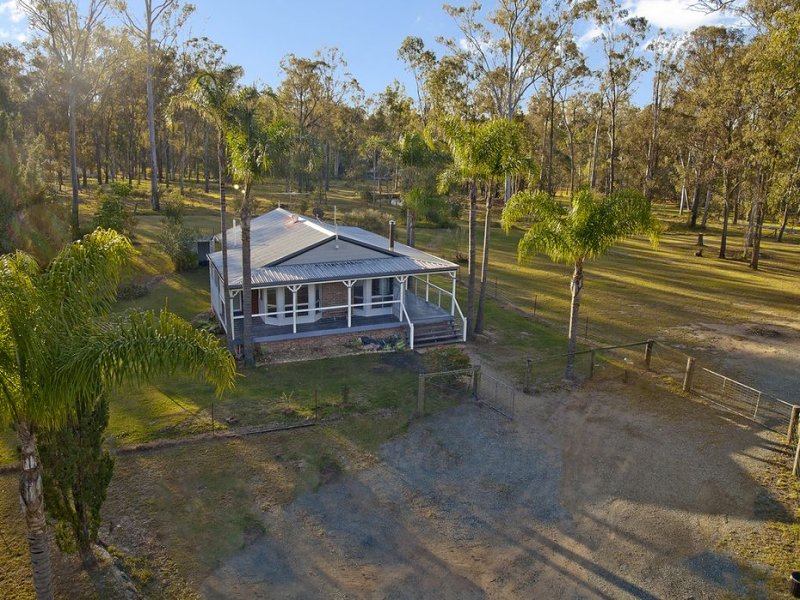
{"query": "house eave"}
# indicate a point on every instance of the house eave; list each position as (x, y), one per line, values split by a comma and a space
(338, 278)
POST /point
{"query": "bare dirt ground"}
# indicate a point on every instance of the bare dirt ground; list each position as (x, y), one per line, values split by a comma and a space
(764, 353)
(610, 491)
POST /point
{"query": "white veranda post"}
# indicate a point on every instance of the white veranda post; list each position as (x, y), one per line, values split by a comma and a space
(294, 289)
(349, 283)
(453, 276)
(402, 280)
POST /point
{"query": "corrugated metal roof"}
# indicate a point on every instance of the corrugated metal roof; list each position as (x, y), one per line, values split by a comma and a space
(355, 269)
(280, 234)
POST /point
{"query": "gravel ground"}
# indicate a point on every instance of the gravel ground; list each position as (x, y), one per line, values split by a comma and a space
(610, 491)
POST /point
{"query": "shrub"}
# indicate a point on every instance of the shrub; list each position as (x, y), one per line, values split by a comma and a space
(172, 207)
(113, 212)
(132, 291)
(450, 358)
(178, 241)
(369, 219)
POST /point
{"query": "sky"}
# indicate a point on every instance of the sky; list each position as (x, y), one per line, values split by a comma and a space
(257, 34)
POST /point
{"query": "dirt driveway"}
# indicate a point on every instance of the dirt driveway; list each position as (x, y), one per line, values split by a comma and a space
(612, 491)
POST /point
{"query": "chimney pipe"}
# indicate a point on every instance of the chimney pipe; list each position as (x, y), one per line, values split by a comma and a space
(391, 234)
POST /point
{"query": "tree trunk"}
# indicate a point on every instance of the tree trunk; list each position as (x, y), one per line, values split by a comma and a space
(758, 221)
(224, 235)
(98, 159)
(706, 207)
(151, 125)
(612, 149)
(473, 209)
(247, 295)
(576, 287)
(784, 220)
(410, 223)
(726, 203)
(337, 163)
(487, 228)
(327, 166)
(32, 501)
(73, 168)
(205, 158)
(550, 143)
(695, 204)
(595, 146)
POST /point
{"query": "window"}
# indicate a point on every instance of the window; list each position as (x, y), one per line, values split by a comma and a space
(302, 302)
(271, 297)
(358, 293)
(382, 294)
(237, 303)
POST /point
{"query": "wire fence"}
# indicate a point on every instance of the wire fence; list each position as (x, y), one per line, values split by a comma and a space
(496, 394)
(767, 410)
(611, 362)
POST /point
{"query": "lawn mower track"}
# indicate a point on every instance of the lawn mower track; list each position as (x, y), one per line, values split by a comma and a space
(609, 491)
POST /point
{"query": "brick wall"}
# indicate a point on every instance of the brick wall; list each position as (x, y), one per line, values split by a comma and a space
(322, 346)
(333, 294)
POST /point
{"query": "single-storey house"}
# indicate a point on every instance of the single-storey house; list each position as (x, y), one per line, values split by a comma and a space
(311, 278)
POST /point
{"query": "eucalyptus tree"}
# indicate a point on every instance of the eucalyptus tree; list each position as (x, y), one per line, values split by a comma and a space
(156, 28)
(58, 347)
(70, 40)
(664, 49)
(509, 53)
(421, 159)
(620, 36)
(575, 233)
(421, 62)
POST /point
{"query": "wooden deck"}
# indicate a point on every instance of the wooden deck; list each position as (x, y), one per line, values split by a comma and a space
(418, 310)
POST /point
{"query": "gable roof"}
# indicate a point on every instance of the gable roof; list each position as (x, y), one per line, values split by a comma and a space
(280, 235)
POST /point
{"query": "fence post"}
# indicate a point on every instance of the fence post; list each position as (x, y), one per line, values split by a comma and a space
(476, 370)
(687, 378)
(586, 331)
(792, 424)
(535, 299)
(527, 388)
(796, 468)
(213, 426)
(648, 353)
(421, 396)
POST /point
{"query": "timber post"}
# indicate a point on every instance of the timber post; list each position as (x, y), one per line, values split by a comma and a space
(792, 424)
(648, 353)
(527, 387)
(591, 364)
(476, 373)
(689, 375)
(796, 468)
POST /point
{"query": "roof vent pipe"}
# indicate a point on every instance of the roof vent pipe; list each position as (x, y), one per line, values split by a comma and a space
(391, 234)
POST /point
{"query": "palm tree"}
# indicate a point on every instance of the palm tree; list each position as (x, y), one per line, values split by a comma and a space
(253, 144)
(212, 94)
(482, 152)
(575, 233)
(58, 346)
(461, 137)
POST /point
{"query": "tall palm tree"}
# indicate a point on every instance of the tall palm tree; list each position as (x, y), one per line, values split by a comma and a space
(501, 155)
(482, 153)
(212, 95)
(254, 141)
(575, 233)
(58, 346)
